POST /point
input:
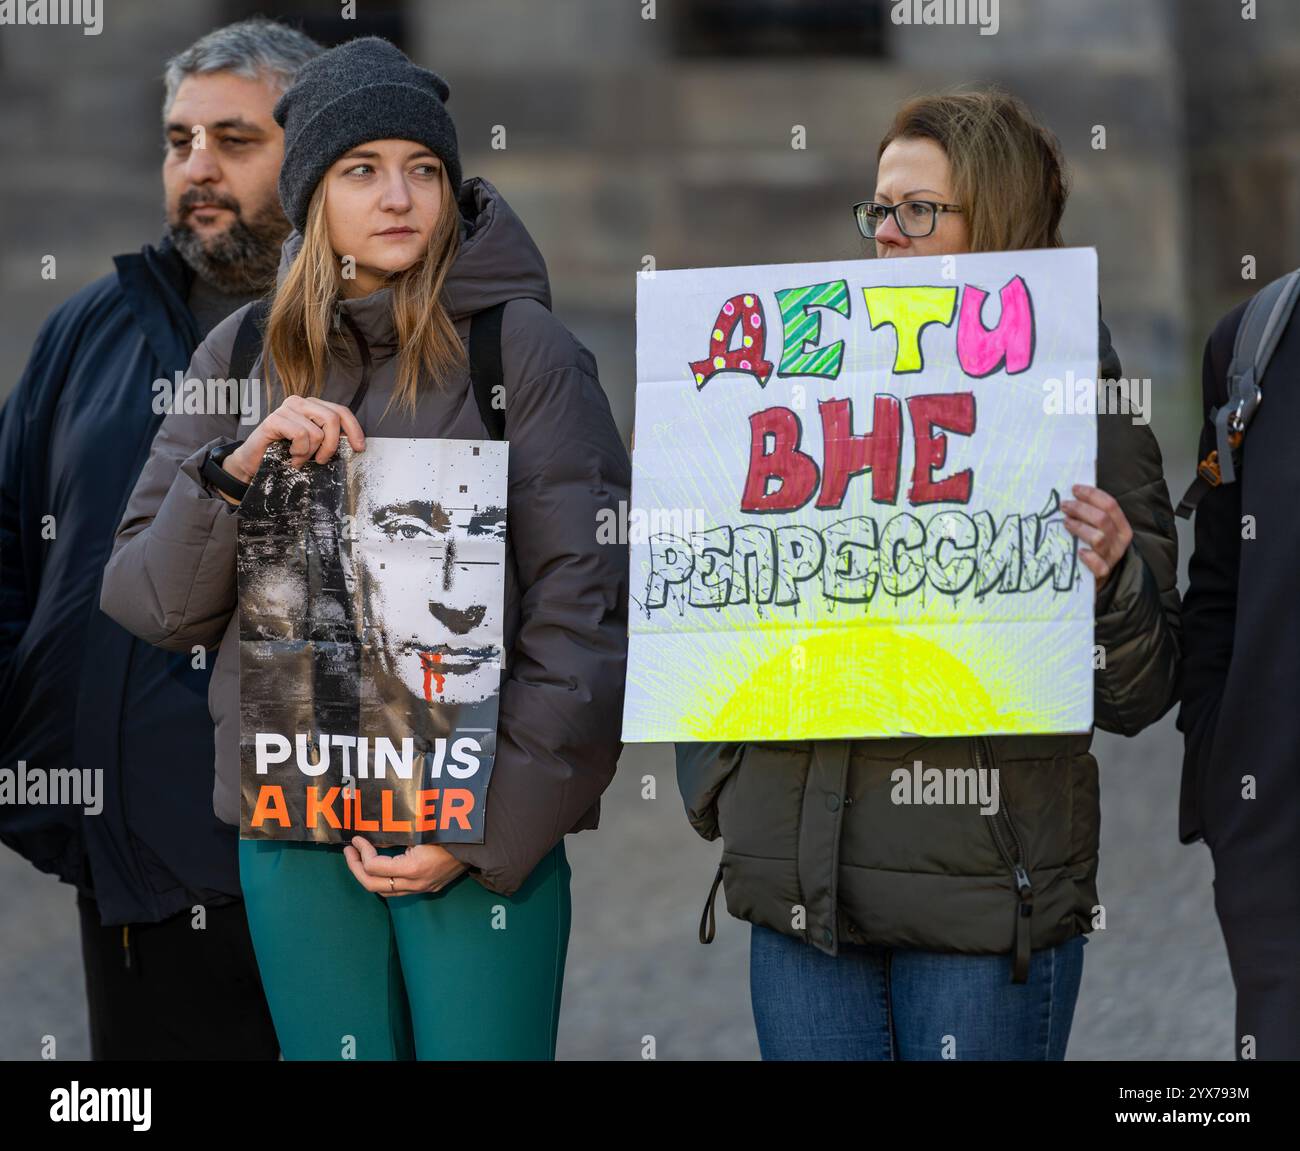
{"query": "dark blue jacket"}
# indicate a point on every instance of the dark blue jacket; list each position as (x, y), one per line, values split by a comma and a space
(76, 690)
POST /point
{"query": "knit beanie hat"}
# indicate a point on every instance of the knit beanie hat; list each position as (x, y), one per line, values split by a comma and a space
(363, 90)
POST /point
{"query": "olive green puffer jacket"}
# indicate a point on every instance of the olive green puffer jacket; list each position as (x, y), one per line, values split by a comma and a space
(814, 847)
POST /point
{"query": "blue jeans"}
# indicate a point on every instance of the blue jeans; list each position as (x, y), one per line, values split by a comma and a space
(880, 1003)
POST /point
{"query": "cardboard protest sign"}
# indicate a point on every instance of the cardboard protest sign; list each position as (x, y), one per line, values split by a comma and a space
(371, 604)
(846, 499)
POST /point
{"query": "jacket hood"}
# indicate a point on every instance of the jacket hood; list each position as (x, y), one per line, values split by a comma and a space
(497, 261)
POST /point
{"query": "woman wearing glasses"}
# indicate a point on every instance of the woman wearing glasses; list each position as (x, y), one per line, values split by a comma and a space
(931, 931)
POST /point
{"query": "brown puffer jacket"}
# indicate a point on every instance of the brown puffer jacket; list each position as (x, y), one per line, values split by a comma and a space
(814, 847)
(171, 579)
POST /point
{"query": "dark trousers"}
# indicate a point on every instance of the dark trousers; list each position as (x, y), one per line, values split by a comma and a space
(1264, 953)
(171, 991)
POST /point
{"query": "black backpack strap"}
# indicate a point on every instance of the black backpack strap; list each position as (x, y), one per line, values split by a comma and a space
(485, 373)
(248, 340)
(1261, 327)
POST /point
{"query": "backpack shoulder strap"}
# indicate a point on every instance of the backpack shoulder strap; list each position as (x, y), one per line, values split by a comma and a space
(248, 340)
(1262, 325)
(485, 370)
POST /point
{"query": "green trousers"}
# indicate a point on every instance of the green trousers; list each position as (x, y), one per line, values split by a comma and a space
(463, 974)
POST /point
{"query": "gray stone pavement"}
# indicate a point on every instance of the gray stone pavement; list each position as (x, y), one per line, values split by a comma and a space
(1156, 983)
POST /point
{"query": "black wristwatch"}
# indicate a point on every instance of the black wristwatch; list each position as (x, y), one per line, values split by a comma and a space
(217, 476)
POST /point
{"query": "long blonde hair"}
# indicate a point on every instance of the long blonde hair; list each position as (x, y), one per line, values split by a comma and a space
(1007, 170)
(298, 330)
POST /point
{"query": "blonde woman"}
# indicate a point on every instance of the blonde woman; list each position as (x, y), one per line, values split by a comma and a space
(381, 954)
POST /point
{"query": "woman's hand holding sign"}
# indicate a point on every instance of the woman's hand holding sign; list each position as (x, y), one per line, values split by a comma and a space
(1097, 519)
(422, 867)
(311, 426)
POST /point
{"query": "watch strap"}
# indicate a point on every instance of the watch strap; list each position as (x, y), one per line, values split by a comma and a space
(217, 476)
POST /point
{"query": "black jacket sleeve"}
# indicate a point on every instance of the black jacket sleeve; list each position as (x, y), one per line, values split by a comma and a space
(24, 421)
(1210, 605)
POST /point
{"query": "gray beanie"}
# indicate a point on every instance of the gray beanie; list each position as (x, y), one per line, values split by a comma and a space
(363, 90)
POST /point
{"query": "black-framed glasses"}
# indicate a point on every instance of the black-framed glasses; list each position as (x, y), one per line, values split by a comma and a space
(915, 218)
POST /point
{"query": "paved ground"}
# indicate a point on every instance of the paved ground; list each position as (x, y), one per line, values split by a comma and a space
(1156, 982)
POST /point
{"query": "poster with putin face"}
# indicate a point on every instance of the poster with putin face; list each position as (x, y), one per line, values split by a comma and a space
(371, 617)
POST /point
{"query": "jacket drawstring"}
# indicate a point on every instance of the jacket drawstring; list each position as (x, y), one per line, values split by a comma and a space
(707, 923)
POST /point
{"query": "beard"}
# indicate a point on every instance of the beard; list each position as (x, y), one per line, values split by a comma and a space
(243, 258)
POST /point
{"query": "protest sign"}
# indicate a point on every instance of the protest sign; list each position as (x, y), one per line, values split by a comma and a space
(846, 497)
(371, 602)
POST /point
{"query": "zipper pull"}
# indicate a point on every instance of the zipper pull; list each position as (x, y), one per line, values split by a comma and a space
(338, 316)
(1023, 885)
(126, 946)
(1020, 967)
